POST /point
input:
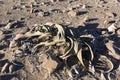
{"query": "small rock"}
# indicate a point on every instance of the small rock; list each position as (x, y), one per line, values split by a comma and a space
(84, 6)
(103, 2)
(8, 26)
(50, 65)
(100, 6)
(40, 14)
(32, 1)
(103, 32)
(36, 10)
(23, 7)
(53, 0)
(56, 11)
(112, 28)
(72, 13)
(70, 8)
(110, 14)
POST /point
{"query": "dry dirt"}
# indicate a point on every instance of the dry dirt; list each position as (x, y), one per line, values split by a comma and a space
(21, 15)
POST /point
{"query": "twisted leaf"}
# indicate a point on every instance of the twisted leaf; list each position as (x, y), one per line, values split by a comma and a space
(60, 33)
(76, 46)
(80, 54)
(108, 62)
(69, 48)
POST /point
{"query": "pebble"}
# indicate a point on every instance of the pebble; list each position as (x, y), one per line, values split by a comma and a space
(8, 26)
(110, 14)
(40, 14)
(72, 13)
(56, 11)
(112, 28)
(84, 6)
(103, 32)
(50, 65)
(53, 0)
(32, 1)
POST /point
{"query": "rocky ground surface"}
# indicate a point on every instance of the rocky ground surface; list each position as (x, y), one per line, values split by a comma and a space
(19, 16)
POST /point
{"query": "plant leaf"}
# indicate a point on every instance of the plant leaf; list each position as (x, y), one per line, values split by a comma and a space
(79, 55)
(76, 46)
(60, 33)
(69, 48)
(108, 62)
(91, 52)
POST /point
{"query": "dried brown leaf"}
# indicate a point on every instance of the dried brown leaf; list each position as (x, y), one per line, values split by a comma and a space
(69, 48)
(4, 67)
(91, 51)
(76, 46)
(109, 65)
(60, 33)
(79, 55)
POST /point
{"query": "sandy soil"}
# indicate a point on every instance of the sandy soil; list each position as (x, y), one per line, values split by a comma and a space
(19, 16)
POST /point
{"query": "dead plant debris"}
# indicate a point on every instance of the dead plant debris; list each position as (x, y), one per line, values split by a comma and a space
(54, 47)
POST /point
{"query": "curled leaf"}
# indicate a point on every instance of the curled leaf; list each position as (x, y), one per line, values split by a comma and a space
(108, 64)
(76, 46)
(79, 55)
(91, 52)
(81, 52)
(4, 67)
(69, 48)
(60, 33)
